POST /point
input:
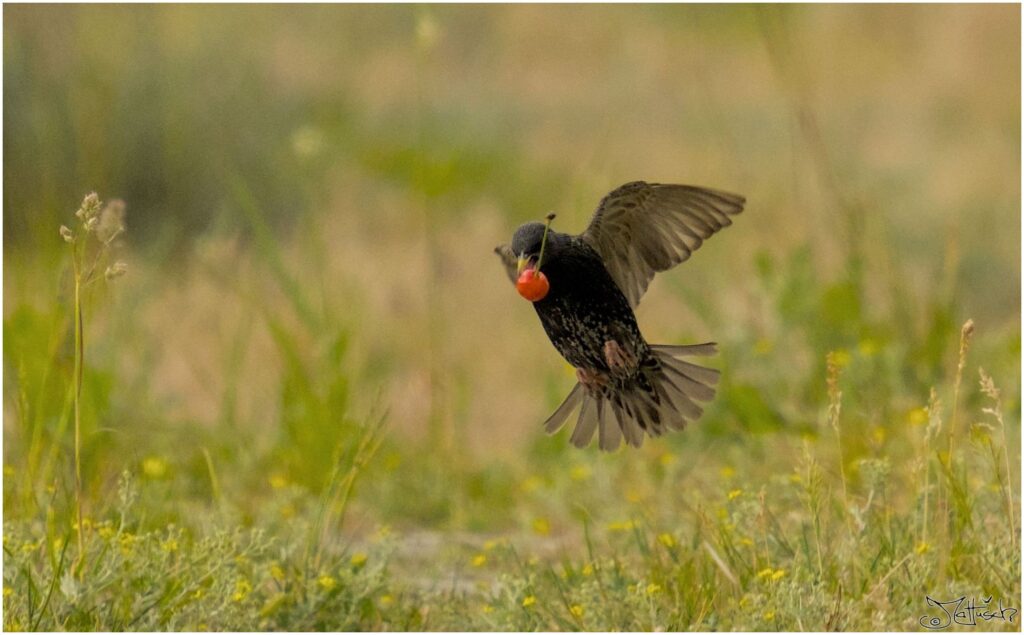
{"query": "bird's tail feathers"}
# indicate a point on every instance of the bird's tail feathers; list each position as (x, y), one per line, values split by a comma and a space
(666, 402)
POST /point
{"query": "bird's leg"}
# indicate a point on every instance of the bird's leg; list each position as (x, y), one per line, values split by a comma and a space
(592, 380)
(619, 360)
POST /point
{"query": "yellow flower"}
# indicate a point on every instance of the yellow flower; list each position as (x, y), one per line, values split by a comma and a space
(479, 560)
(128, 541)
(588, 570)
(620, 525)
(277, 572)
(242, 590)
(667, 540)
(154, 467)
(8, 591)
(579, 473)
(541, 526)
(170, 545)
(531, 484)
(878, 434)
(764, 573)
(529, 601)
(795, 478)
(106, 531)
(488, 608)
(922, 548)
(576, 610)
(778, 575)
(734, 494)
(87, 523)
(917, 417)
(358, 560)
(769, 616)
(746, 542)
(653, 588)
(387, 599)
(667, 459)
(634, 495)
(326, 582)
(278, 481)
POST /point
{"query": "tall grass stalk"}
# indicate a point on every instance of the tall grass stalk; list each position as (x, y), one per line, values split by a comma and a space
(835, 397)
(79, 355)
(931, 432)
(335, 498)
(996, 411)
(965, 341)
(946, 463)
(813, 500)
(102, 224)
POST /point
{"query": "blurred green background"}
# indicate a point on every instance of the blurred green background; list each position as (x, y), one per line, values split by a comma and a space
(313, 194)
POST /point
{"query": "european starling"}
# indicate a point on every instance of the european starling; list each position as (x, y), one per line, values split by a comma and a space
(626, 387)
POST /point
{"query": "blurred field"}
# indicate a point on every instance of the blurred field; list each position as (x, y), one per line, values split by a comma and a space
(313, 195)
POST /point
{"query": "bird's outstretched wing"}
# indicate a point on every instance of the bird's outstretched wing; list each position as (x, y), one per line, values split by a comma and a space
(508, 260)
(642, 228)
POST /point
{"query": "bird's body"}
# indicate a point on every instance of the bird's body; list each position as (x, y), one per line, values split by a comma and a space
(627, 388)
(585, 309)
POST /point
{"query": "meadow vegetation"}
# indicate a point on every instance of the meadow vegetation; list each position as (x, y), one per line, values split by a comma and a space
(313, 401)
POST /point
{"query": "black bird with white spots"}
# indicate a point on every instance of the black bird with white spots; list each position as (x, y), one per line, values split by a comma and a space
(627, 388)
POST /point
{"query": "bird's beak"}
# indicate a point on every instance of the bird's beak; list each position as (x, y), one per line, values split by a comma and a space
(521, 263)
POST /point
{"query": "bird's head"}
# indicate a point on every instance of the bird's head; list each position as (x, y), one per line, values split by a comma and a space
(526, 244)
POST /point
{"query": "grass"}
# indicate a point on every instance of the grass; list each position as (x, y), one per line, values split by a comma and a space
(313, 402)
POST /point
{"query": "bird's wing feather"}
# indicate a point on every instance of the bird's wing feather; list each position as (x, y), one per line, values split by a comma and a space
(643, 228)
(508, 260)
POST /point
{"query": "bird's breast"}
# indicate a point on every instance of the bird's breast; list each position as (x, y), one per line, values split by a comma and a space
(583, 310)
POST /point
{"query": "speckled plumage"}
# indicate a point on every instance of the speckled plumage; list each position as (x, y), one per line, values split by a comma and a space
(584, 308)
(627, 387)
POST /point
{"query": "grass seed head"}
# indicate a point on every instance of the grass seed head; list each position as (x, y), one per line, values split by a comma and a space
(90, 207)
(115, 270)
(110, 223)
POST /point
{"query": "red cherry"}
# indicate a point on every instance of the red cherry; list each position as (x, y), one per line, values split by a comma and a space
(532, 285)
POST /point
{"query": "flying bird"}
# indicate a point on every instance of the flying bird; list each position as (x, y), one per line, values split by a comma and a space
(585, 287)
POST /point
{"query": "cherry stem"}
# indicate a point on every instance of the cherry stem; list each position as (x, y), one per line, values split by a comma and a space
(543, 242)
